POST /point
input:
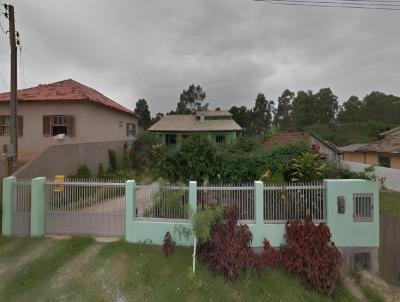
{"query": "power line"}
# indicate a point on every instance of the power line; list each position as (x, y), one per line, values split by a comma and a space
(332, 4)
(21, 67)
(341, 2)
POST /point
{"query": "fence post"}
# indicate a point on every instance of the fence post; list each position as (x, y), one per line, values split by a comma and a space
(130, 205)
(259, 200)
(38, 196)
(193, 196)
(7, 205)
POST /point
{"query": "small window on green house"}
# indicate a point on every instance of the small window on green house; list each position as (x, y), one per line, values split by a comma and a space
(220, 139)
(384, 161)
(170, 139)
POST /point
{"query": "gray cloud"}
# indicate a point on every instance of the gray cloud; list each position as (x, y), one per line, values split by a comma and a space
(233, 48)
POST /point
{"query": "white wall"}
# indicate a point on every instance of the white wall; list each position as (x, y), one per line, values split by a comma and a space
(392, 181)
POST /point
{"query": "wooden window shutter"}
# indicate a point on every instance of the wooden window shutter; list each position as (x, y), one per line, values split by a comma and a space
(1, 123)
(47, 125)
(20, 125)
(70, 125)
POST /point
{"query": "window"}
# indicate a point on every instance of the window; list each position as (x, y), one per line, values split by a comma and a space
(5, 125)
(58, 124)
(384, 161)
(363, 206)
(170, 139)
(130, 129)
(361, 261)
(220, 139)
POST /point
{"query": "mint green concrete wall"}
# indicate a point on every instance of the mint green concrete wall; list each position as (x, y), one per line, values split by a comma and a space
(346, 232)
(38, 195)
(7, 205)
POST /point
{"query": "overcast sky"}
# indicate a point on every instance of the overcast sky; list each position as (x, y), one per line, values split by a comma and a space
(232, 48)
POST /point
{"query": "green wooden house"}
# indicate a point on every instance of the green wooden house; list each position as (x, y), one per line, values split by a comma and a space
(218, 126)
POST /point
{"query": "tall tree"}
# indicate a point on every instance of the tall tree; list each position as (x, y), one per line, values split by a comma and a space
(350, 111)
(191, 100)
(282, 117)
(326, 106)
(262, 114)
(243, 117)
(142, 109)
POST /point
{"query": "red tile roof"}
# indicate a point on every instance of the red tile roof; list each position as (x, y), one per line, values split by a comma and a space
(67, 90)
(284, 138)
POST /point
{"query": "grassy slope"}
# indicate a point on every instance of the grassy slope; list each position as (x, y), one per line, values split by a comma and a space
(390, 203)
(134, 272)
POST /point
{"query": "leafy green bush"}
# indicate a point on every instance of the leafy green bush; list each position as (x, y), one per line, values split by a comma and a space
(307, 167)
(100, 171)
(126, 161)
(82, 171)
(168, 204)
(203, 221)
(243, 160)
(112, 158)
(142, 150)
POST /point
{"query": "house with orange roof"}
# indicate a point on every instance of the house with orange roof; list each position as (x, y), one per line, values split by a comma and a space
(65, 112)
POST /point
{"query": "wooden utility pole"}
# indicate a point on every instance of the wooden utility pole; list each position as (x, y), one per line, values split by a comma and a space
(12, 156)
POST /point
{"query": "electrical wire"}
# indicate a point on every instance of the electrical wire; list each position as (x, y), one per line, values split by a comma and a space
(352, 2)
(362, 4)
(21, 67)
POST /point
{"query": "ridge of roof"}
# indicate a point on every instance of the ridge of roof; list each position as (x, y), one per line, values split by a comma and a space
(65, 90)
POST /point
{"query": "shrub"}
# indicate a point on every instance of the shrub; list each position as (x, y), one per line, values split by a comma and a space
(270, 256)
(168, 204)
(168, 245)
(204, 220)
(83, 171)
(100, 171)
(228, 251)
(311, 256)
(307, 167)
(126, 161)
(112, 158)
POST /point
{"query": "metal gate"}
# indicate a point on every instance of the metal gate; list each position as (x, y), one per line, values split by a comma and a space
(85, 208)
(21, 207)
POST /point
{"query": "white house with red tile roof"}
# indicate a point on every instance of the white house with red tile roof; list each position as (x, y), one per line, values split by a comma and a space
(65, 112)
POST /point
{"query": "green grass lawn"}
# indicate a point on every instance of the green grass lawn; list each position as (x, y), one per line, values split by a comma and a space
(81, 269)
(390, 203)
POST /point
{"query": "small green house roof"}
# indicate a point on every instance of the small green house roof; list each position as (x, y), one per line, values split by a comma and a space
(192, 123)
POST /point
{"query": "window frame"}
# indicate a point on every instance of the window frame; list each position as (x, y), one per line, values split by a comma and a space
(386, 158)
(363, 207)
(172, 141)
(131, 132)
(218, 139)
(58, 120)
(20, 125)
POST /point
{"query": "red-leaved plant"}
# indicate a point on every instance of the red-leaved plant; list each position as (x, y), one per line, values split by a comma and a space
(168, 244)
(228, 251)
(311, 255)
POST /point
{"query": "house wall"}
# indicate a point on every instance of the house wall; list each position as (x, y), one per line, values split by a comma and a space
(229, 136)
(354, 157)
(323, 149)
(93, 123)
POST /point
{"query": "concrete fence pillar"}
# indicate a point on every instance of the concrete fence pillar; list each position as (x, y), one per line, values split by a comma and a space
(259, 202)
(130, 201)
(38, 198)
(193, 196)
(7, 205)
